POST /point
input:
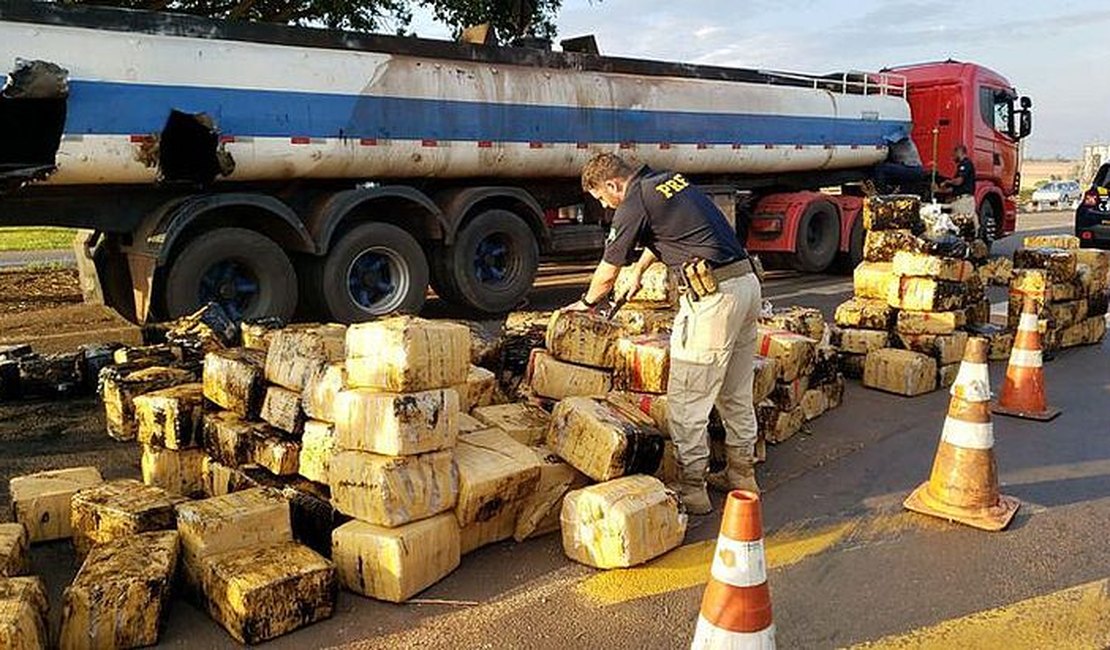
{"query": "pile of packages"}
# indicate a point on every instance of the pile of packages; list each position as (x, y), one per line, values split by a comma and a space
(1069, 286)
(25, 373)
(915, 298)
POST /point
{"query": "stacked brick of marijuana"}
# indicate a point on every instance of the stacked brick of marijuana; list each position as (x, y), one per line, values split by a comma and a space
(1069, 286)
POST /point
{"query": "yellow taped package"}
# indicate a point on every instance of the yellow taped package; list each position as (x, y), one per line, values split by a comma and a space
(891, 211)
(650, 404)
(119, 396)
(997, 271)
(525, 423)
(979, 312)
(602, 440)
(258, 594)
(392, 491)
(946, 375)
(932, 266)
(220, 479)
(172, 418)
(858, 341)
(815, 402)
(643, 363)
(863, 313)
(121, 593)
(873, 280)
(479, 389)
(1050, 241)
(582, 337)
(925, 322)
(765, 372)
(295, 355)
(1066, 314)
(282, 409)
(555, 379)
(321, 390)
(945, 348)
(900, 371)
(317, 448)
(621, 523)
(42, 501)
(806, 321)
(999, 339)
(657, 288)
(926, 294)
(794, 353)
(233, 380)
(405, 354)
(118, 509)
(477, 534)
(175, 471)
(1098, 261)
(539, 511)
(787, 395)
(834, 390)
(881, 245)
(14, 546)
(396, 424)
(777, 425)
(395, 564)
(495, 474)
(469, 424)
(257, 335)
(23, 608)
(632, 321)
(1059, 263)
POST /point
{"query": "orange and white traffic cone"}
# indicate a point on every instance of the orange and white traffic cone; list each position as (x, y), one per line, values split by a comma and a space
(1023, 391)
(736, 607)
(963, 485)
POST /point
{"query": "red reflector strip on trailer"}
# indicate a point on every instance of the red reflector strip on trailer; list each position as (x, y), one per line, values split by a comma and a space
(429, 143)
(368, 142)
(138, 139)
(485, 144)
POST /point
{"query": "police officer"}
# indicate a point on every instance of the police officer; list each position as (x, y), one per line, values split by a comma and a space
(714, 335)
(962, 185)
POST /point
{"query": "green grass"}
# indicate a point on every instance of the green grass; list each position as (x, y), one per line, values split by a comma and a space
(36, 239)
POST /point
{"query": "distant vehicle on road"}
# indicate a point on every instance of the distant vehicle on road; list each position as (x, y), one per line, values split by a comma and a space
(1057, 195)
(1092, 217)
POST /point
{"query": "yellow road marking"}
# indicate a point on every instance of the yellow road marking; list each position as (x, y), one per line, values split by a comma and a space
(1078, 617)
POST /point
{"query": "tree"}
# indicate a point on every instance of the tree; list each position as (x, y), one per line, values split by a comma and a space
(510, 19)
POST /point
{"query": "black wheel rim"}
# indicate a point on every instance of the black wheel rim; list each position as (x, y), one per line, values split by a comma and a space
(495, 262)
(231, 284)
(377, 280)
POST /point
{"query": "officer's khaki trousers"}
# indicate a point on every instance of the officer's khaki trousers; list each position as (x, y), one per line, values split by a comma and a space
(712, 348)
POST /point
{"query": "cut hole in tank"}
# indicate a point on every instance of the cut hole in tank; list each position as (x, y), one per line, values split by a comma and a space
(32, 117)
(190, 150)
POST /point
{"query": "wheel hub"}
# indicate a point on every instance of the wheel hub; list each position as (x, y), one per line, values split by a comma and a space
(376, 280)
(232, 285)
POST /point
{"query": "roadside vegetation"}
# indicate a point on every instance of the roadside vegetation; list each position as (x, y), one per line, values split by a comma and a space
(36, 239)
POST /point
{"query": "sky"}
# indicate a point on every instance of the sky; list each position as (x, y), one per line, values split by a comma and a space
(1054, 52)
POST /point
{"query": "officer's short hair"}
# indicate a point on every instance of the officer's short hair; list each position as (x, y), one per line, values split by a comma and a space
(960, 148)
(605, 167)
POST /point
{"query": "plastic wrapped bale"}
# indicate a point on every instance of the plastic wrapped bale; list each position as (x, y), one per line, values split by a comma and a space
(282, 409)
(778, 425)
(118, 509)
(256, 333)
(633, 322)
(317, 448)
(621, 523)
(525, 423)
(119, 392)
(175, 471)
(296, 355)
(220, 479)
(258, 594)
(172, 418)
(925, 322)
(50, 375)
(946, 375)
(814, 403)
(479, 389)
(148, 355)
(997, 271)
(999, 339)
(229, 438)
(203, 331)
(787, 395)
(643, 363)
(858, 341)
(469, 424)
(496, 474)
(1099, 263)
(1096, 330)
(477, 534)
(582, 337)
(932, 266)
(945, 348)
(900, 371)
(834, 391)
(602, 440)
(233, 380)
(540, 510)
(873, 280)
(486, 340)
(524, 331)
(793, 352)
(806, 321)
(23, 608)
(14, 546)
(765, 372)
(395, 564)
(42, 501)
(392, 491)
(312, 514)
(1066, 314)
(926, 294)
(1050, 241)
(1098, 303)
(1058, 262)
(653, 405)
(555, 379)
(321, 390)
(121, 594)
(862, 313)
(405, 354)
(851, 365)
(658, 289)
(881, 245)
(826, 366)
(892, 211)
(395, 424)
(271, 450)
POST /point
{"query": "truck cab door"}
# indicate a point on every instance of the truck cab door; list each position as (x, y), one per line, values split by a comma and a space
(995, 150)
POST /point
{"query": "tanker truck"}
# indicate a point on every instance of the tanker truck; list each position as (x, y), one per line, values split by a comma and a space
(287, 171)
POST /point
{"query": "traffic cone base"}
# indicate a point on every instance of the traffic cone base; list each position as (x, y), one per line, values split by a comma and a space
(709, 637)
(992, 518)
(1043, 416)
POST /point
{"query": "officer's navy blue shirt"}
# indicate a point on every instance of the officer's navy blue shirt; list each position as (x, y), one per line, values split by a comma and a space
(664, 212)
(966, 171)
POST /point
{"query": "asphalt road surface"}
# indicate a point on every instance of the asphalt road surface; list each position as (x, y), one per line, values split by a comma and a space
(847, 564)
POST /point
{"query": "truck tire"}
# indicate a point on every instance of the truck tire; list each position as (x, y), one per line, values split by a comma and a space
(372, 270)
(988, 223)
(848, 261)
(818, 238)
(492, 263)
(245, 272)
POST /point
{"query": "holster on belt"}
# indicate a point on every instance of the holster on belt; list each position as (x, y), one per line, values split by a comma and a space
(698, 278)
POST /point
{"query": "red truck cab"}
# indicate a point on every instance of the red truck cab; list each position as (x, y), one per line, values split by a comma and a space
(952, 103)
